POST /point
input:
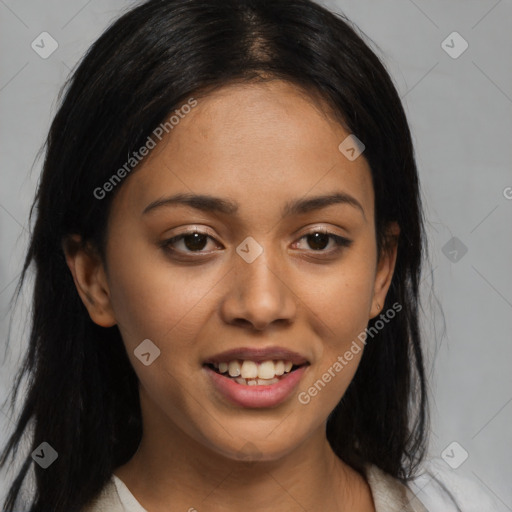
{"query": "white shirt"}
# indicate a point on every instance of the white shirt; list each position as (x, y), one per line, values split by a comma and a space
(389, 494)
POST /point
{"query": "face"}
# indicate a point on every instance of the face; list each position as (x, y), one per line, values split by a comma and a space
(270, 275)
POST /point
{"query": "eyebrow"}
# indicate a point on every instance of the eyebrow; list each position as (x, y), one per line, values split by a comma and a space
(207, 203)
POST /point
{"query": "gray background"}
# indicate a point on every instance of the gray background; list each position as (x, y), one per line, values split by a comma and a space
(459, 111)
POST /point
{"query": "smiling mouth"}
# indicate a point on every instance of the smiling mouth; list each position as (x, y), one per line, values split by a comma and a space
(253, 373)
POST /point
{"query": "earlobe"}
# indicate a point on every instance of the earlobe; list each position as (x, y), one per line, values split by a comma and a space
(90, 280)
(385, 269)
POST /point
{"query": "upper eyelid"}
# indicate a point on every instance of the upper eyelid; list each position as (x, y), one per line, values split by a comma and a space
(201, 231)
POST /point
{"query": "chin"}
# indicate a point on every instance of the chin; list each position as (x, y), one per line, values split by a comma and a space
(260, 441)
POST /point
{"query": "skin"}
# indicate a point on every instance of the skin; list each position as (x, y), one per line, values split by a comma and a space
(261, 145)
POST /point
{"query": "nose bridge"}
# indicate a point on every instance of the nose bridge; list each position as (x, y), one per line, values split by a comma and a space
(258, 291)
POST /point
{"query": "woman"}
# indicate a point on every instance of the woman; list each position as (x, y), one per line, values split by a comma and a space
(228, 245)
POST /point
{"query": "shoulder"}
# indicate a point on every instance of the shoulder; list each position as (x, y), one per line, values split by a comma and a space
(114, 497)
(440, 486)
(390, 494)
(435, 488)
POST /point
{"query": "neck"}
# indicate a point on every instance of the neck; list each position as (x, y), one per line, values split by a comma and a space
(187, 475)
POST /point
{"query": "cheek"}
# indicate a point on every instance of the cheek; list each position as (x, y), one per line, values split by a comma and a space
(343, 300)
(152, 299)
(343, 304)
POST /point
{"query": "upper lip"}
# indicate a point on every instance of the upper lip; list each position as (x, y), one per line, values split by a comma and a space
(258, 354)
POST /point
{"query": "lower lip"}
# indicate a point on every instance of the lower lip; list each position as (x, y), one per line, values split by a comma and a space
(256, 396)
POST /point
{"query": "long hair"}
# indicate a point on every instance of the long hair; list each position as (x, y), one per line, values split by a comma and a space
(82, 393)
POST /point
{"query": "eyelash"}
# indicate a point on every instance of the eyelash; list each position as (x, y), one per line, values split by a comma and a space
(340, 241)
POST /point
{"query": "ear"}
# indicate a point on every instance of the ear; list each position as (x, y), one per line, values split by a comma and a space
(385, 268)
(90, 279)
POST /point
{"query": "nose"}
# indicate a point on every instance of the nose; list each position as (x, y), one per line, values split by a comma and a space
(258, 295)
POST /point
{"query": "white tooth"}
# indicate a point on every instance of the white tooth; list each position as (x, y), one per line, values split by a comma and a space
(279, 367)
(249, 370)
(216, 365)
(223, 367)
(234, 368)
(240, 380)
(266, 370)
(266, 382)
(252, 382)
(288, 366)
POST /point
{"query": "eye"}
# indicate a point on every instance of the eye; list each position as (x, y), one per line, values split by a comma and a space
(319, 239)
(193, 241)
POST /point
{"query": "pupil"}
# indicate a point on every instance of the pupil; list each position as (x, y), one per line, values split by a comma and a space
(323, 238)
(196, 244)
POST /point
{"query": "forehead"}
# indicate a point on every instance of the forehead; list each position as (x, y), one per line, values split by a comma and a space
(260, 145)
